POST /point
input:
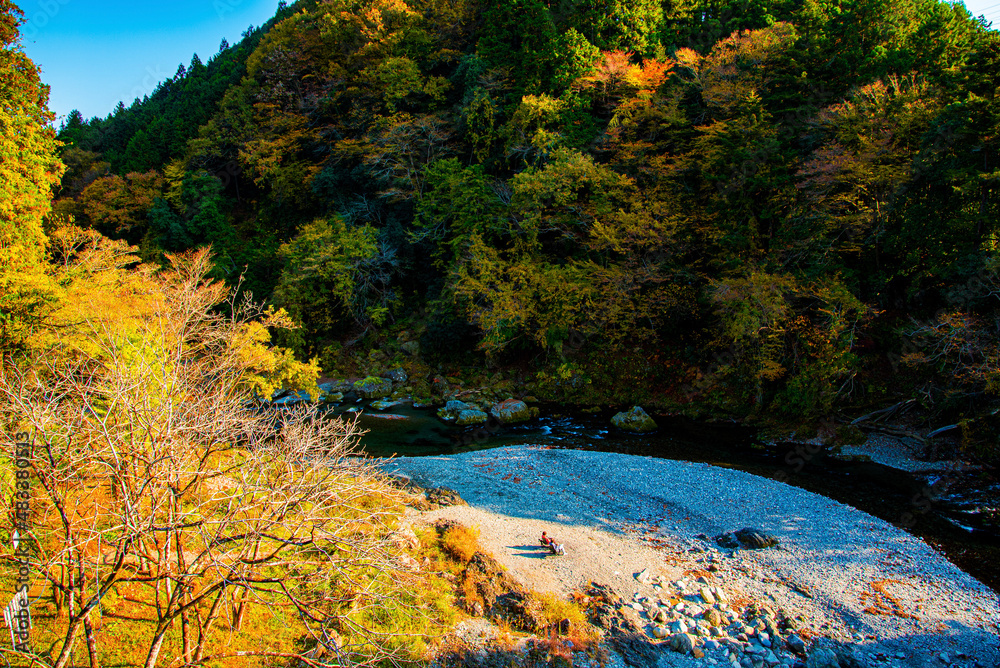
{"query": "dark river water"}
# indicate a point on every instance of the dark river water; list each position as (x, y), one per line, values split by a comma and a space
(956, 513)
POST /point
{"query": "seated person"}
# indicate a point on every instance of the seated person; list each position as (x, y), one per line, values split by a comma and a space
(556, 548)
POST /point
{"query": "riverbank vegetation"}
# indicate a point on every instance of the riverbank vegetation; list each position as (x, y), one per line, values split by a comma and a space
(777, 213)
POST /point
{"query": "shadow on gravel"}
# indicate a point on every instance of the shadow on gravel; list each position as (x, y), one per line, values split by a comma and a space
(530, 551)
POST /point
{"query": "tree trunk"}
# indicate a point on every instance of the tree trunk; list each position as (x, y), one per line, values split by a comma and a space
(91, 643)
(157, 644)
(67, 649)
(185, 634)
(205, 628)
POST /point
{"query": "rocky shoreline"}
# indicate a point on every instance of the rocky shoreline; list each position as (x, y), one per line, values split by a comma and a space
(840, 589)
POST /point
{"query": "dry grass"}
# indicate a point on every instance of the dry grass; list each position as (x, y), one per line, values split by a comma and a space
(879, 601)
(461, 542)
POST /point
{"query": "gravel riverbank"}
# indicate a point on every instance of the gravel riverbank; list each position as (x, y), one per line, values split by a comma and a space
(846, 575)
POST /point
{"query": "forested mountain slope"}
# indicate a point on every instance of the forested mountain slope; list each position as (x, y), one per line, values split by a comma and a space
(757, 209)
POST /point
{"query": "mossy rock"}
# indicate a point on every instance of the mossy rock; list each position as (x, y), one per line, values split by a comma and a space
(453, 408)
(636, 421)
(512, 411)
(373, 388)
(470, 417)
(332, 397)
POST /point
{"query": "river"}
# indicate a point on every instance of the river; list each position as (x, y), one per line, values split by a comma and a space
(955, 513)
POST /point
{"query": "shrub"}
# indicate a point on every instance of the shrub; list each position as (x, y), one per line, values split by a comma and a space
(461, 542)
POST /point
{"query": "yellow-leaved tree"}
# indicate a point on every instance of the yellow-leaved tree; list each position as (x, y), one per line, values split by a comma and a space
(169, 508)
(28, 171)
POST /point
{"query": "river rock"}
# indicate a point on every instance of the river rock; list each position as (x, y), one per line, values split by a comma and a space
(635, 420)
(823, 657)
(749, 538)
(713, 617)
(290, 397)
(682, 642)
(660, 632)
(332, 397)
(796, 644)
(443, 496)
(755, 539)
(511, 411)
(373, 388)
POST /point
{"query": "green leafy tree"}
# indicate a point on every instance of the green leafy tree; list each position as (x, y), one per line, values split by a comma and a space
(630, 25)
(457, 203)
(335, 277)
(520, 37)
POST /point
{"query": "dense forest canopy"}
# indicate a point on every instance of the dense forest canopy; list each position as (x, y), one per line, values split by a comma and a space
(758, 209)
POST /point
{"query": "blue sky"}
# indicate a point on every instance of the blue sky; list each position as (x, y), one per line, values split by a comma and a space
(989, 8)
(94, 54)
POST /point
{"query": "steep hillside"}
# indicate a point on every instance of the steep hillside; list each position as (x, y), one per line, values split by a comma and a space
(769, 210)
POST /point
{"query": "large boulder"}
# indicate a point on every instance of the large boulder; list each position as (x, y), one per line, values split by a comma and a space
(635, 420)
(462, 413)
(512, 411)
(373, 388)
(682, 642)
(823, 657)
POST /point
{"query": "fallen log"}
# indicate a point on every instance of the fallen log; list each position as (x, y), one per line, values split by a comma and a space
(942, 430)
(883, 412)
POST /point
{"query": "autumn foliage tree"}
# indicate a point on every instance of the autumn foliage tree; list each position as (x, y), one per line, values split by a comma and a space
(161, 487)
(29, 171)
